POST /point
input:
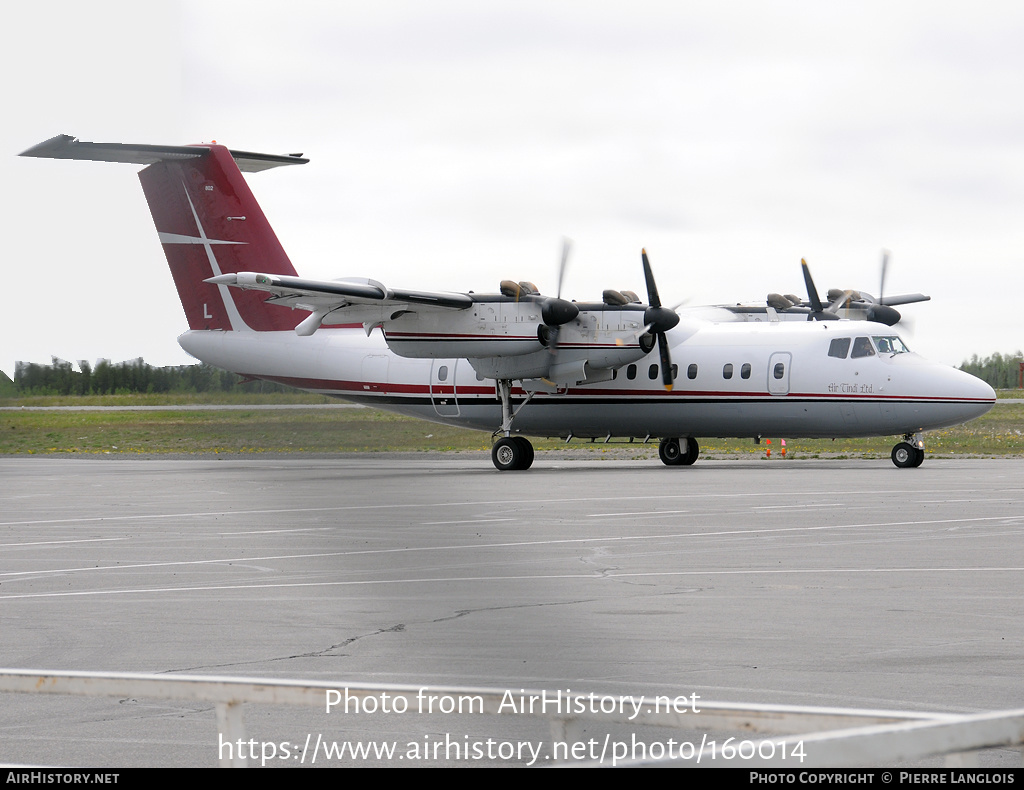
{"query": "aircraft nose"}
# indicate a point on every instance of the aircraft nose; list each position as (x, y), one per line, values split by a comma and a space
(977, 395)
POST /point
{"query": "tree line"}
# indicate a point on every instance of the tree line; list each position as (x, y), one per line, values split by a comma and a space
(133, 376)
(999, 370)
(129, 377)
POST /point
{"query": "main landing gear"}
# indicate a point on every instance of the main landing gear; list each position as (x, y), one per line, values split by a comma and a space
(515, 453)
(678, 452)
(510, 453)
(909, 453)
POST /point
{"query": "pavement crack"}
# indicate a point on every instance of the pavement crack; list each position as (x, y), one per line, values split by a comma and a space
(464, 612)
(327, 651)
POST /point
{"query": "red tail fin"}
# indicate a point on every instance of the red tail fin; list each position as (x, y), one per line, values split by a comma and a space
(209, 224)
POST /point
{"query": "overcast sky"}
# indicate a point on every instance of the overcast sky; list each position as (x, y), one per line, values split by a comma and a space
(454, 144)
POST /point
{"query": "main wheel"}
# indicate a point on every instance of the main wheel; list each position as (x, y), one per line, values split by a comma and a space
(670, 452)
(527, 461)
(511, 453)
(906, 456)
(692, 451)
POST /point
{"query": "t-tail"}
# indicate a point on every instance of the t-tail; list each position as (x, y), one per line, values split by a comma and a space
(209, 224)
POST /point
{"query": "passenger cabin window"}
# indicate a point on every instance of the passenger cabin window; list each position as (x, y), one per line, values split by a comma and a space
(442, 373)
(691, 372)
(675, 372)
(862, 348)
(745, 371)
(631, 372)
(780, 370)
(652, 372)
(839, 347)
(727, 371)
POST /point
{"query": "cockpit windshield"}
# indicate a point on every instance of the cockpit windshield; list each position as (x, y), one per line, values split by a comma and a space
(890, 344)
(883, 345)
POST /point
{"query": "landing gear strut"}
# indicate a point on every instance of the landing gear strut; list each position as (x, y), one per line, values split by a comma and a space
(510, 453)
(909, 453)
(678, 452)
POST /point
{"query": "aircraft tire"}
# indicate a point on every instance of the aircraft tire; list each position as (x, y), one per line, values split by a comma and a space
(512, 453)
(670, 453)
(906, 456)
(527, 447)
(692, 451)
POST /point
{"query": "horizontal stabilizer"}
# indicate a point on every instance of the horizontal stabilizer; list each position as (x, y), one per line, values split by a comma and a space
(64, 146)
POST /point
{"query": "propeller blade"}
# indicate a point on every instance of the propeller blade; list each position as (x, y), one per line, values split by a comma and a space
(881, 286)
(812, 292)
(666, 361)
(818, 312)
(652, 289)
(566, 246)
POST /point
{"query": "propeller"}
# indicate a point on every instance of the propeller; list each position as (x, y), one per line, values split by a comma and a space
(555, 311)
(876, 309)
(658, 320)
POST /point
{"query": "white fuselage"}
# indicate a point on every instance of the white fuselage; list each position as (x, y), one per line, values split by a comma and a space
(732, 380)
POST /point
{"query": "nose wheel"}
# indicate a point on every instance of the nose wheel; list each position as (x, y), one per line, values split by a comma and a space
(908, 454)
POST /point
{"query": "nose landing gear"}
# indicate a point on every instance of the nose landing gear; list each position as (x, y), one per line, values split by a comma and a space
(909, 453)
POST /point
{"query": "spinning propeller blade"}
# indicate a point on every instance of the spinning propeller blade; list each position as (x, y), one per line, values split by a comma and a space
(557, 311)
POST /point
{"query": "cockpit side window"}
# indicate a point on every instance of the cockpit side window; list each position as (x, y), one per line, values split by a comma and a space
(890, 344)
(862, 348)
(839, 347)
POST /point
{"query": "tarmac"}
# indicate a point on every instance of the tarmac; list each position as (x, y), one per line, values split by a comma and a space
(843, 583)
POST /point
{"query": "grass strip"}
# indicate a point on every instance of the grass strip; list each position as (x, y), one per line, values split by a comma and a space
(998, 433)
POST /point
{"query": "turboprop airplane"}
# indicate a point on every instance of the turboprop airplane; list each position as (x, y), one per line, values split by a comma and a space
(517, 362)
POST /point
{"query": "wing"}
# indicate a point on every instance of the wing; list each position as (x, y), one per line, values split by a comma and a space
(341, 301)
